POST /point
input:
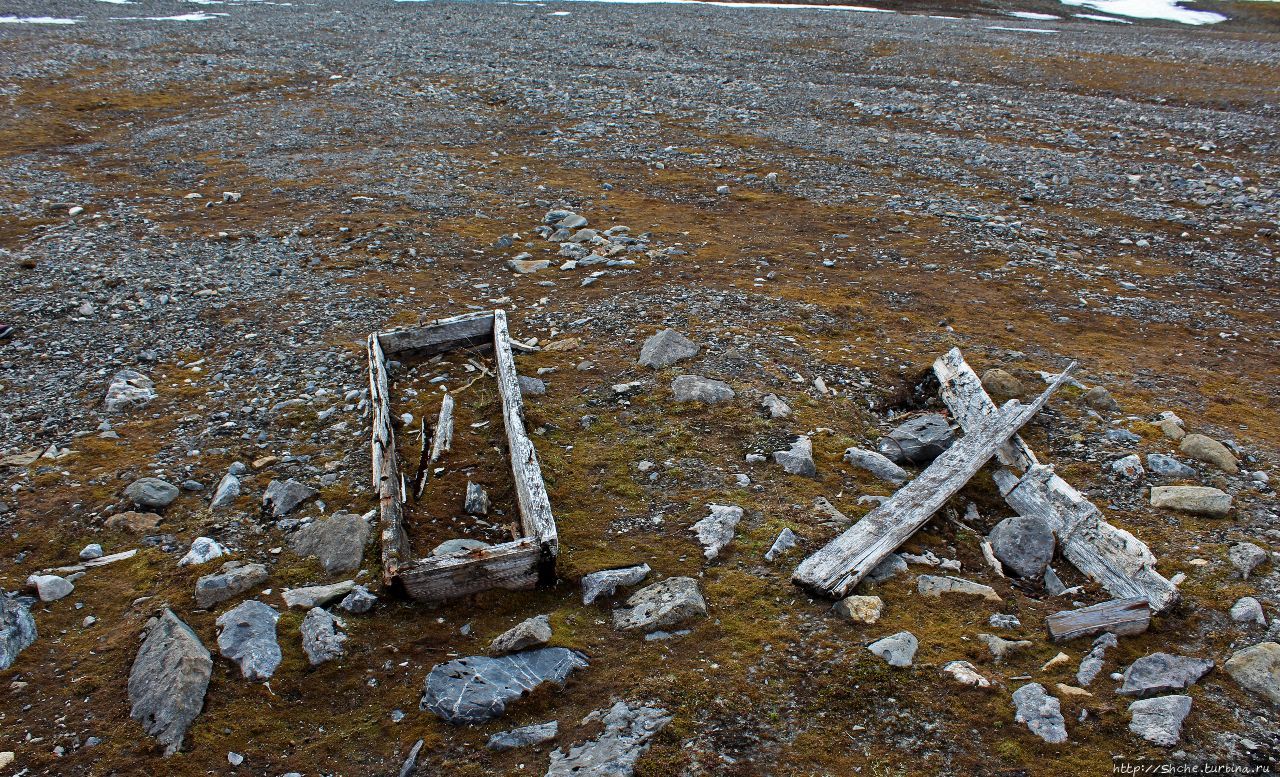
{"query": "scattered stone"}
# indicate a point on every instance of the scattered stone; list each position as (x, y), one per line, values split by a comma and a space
(338, 542)
(151, 493)
(226, 493)
(525, 736)
(775, 407)
(799, 459)
(531, 387)
(661, 605)
(358, 601)
(1024, 545)
(877, 464)
(17, 630)
(1246, 610)
(964, 673)
(90, 552)
(1197, 500)
(203, 550)
(1041, 713)
(627, 732)
(51, 588)
(410, 761)
(321, 639)
(283, 496)
(476, 501)
(168, 680)
(1002, 620)
(1002, 648)
(1162, 673)
(1159, 720)
(1091, 664)
(533, 632)
(918, 441)
(860, 609)
(896, 649)
(1210, 451)
(1070, 690)
(1129, 467)
(527, 266)
(1001, 384)
(666, 348)
(459, 545)
(1122, 436)
(317, 595)
(695, 388)
(1257, 669)
(892, 566)
(248, 637)
(715, 531)
(933, 585)
(786, 541)
(137, 523)
(234, 758)
(1172, 426)
(129, 388)
(233, 580)
(1099, 398)
(1246, 557)
(1058, 660)
(478, 688)
(1169, 467)
(606, 581)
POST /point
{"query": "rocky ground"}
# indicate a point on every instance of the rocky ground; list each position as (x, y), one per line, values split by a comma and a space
(201, 221)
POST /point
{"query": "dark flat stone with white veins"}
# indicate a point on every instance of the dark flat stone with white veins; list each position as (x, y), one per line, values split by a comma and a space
(1161, 673)
(17, 630)
(478, 688)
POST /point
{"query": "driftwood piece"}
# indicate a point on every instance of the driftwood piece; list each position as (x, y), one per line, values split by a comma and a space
(1120, 562)
(1122, 617)
(443, 439)
(439, 336)
(531, 492)
(511, 565)
(100, 561)
(423, 474)
(387, 482)
(835, 569)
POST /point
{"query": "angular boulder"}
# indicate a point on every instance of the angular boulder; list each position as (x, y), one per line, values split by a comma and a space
(17, 630)
(666, 348)
(798, 459)
(533, 632)
(1210, 451)
(1159, 720)
(1041, 713)
(233, 580)
(663, 604)
(1257, 669)
(1196, 500)
(525, 736)
(606, 581)
(479, 688)
(877, 464)
(283, 496)
(695, 388)
(338, 542)
(151, 493)
(896, 649)
(1161, 673)
(1024, 545)
(168, 680)
(934, 585)
(919, 440)
(715, 531)
(129, 388)
(248, 637)
(628, 730)
(321, 638)
(317, 595)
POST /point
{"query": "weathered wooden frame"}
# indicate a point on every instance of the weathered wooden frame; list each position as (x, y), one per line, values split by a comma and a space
(524, 562)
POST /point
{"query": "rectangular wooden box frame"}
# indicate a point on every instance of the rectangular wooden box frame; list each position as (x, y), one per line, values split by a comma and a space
(522, 563)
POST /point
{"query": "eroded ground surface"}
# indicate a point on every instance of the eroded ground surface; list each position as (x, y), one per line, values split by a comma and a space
(1105, 194)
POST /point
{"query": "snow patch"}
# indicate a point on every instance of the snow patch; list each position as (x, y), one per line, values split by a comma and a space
(36, 20)
(1168, 10)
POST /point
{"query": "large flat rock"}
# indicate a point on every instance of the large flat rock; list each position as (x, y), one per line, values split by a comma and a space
(628, 731)
(338, 542)
(17, 630)
(479, 688)
(167, 682)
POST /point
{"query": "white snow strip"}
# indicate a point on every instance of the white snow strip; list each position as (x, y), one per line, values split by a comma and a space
(1095, 17)
(1024, 29)
(186, 17)
(35, 20)
(1150, 9)
(1040, 17)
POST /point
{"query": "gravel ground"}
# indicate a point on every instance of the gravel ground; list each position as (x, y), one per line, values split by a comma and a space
(230, 204)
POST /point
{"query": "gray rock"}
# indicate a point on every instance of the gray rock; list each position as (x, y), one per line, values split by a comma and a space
(151, 493)
(1123, 436)
(627, 733)
(457, 545)
(1197, 500)
(1052, 583)
(1159, 720)
(786, 541)
(321, 638)
(798, 460)
(1164, 466)
(606, 581)
(1002, 620)
(476, 501)
(51, 588)
(317, 595)
(1040, 712)
(283, 496)
(859, 609)
(90, 552)
(530, 633)
(1161, 673)
(531, 387)
(775, 407)
(248, 637)
(1210, 451)
(203, 550)
(1002, 648)
(1002, 384)
(896, 649)
(1257, 670)
(1099, 398)
(1091, 664)
(338, 542)
(226, 493)
(525, 736)
(715, 531)
(17, 630)
(666, 348)
(892, 566)
(965, 673)
(934, 585)
(1024, 545)
(918, 441)
(478, 688)
(1248, 610)
(877, 464)
(661, 605)
(1129, 467)
(129, 388)
(233, 580)
(1246, 557)
(358, 601)
(695, 388)
(168, 680)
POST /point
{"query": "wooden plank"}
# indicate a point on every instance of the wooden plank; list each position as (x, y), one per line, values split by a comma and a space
(835, 569)
(443, 440)
(1120, 562)
(100, 561)
(531, 492)
(444, 334)
(1122, 617)
(386, 469)
(511, 565)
